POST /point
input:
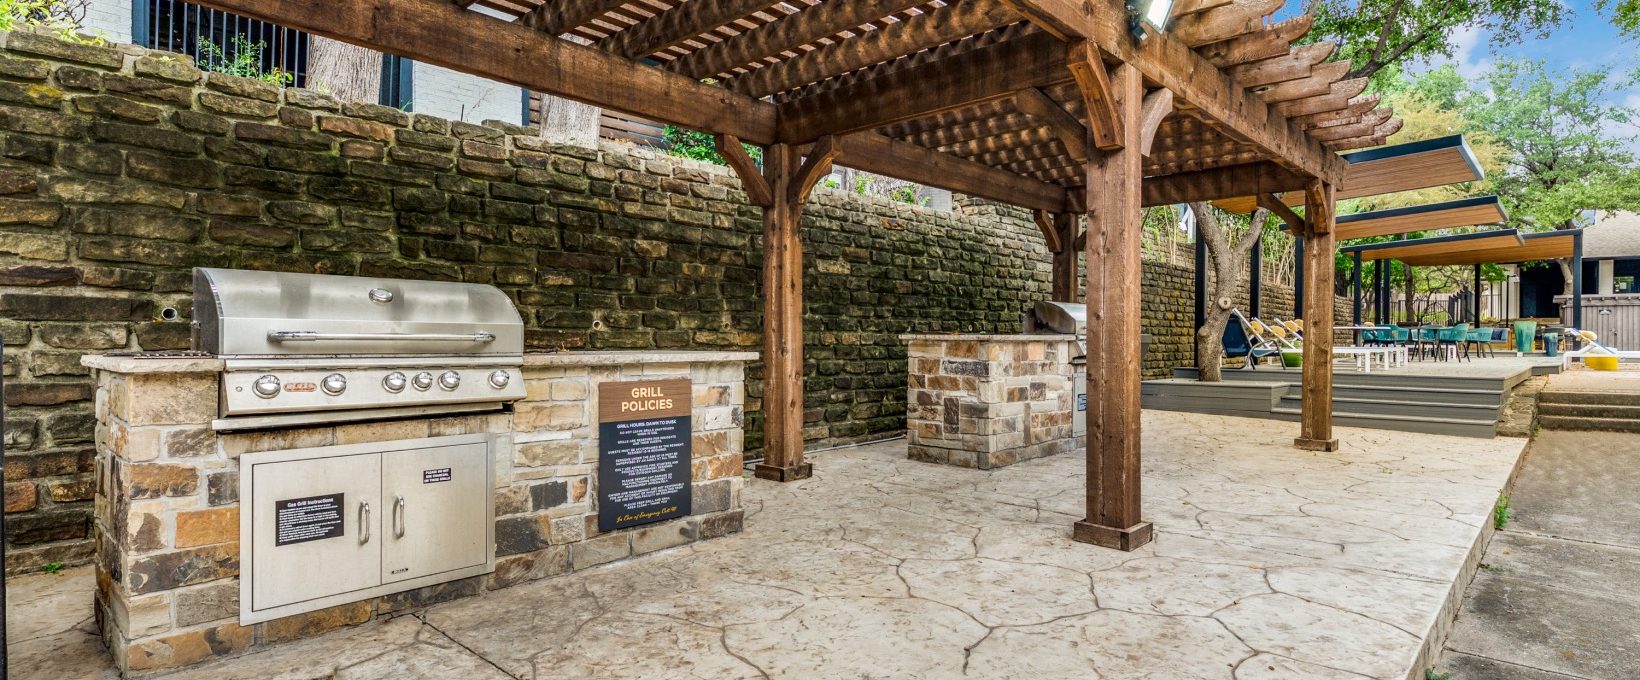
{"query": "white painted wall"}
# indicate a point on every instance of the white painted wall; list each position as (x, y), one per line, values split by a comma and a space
(459, 96)
(110, 19)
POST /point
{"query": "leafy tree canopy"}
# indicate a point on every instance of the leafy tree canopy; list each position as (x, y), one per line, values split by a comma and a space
(1625, 15)
(1568, 148)
(1375, 34)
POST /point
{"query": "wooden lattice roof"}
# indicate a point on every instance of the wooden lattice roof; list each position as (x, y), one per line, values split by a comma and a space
(995, 98)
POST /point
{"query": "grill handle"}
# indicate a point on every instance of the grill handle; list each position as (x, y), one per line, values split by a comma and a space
(315, 336)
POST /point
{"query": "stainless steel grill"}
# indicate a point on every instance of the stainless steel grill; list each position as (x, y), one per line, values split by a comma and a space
(301, 348)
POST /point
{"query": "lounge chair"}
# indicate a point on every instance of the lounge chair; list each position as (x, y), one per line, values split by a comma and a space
(1243, 339)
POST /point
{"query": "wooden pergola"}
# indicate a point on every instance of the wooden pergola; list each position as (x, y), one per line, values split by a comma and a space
(1052, 105)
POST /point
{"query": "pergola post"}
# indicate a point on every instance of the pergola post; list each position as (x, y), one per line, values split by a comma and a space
(1298, 273)
(1255, 281)
(1577, 280)
(1317, 422)
(1378, 292)
(1113, 278)
(1355, 285)
(781, 188)
(1064, 257)
(1477, 296)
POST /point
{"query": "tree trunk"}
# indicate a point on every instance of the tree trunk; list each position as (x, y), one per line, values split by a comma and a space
(1229, 260)
(564, 121)
(1407, 272)
(569, 122)
(347, 72)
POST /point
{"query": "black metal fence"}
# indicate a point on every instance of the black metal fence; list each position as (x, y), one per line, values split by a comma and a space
(216, 38)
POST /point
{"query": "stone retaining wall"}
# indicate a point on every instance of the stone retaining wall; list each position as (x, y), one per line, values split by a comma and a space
(120, 169)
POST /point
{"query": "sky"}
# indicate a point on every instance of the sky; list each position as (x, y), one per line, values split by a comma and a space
(1587, 40)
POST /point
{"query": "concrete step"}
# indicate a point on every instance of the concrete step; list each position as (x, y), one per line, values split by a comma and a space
(1460, 427)
(1415, 407)
(1584, 423)
(1603, 398)
(1351, 379)
(1581, 410)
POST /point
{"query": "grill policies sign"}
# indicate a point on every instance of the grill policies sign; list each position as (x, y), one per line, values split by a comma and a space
(643, 452)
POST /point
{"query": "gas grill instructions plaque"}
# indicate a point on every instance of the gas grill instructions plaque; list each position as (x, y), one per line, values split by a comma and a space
(643, 452)
(314, 518)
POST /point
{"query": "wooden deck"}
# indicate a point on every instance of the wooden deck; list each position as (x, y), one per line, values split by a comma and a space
(1457, 398)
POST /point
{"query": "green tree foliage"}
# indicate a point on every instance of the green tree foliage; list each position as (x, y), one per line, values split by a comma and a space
(242, 58)
(60, 17)
(1625, 15)
(1376, 34)
(1566, 151)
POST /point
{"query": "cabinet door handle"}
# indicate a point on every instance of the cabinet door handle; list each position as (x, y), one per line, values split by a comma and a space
(364, 522)
(398, 517)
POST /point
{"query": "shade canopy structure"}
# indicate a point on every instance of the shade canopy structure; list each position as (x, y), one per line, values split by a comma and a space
(1464, 212)
(1507, 246)
(1393, 169)
(1050, 105)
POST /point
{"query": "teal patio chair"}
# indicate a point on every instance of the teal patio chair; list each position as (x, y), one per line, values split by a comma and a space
(1480, 339)
(1453, 337)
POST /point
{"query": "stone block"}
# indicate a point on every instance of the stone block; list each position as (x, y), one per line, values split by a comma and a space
(209, 602)
(71, 491)
(662, 536)
(600, 550)
(157, 480)
(431, 595)
(187, 648)
(521, 534)
(206, 527)
(566, 530)
(20, 497)
(84, 336)
(558, 452)
(222, 487)
(189, 442)
(381, 431)
(532, 566)
(722, 524)
(549, 494)
(529, 417)
(175, 569)
(309, 624)
(144, 528)
(139, 617)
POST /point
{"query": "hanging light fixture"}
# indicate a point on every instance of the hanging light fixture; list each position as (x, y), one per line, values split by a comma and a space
(1146, 17)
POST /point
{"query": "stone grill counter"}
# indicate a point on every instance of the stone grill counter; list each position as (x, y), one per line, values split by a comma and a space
(986, 401)
(167, 507)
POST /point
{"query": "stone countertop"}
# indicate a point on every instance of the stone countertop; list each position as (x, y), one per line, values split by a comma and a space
(160, 363)
(155, 363)
(988, 337)
(640, 356)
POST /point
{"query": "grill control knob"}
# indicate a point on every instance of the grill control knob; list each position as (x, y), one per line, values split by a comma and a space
(334, 384)
(422, 381)
(266, 387)
(394, 382)
(449, 380)
(499, 379)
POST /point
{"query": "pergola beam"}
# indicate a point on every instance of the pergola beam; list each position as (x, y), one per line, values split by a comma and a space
(1192, 78)
(1207, 185)
(785, 34)
(977, 76)
(440, 33)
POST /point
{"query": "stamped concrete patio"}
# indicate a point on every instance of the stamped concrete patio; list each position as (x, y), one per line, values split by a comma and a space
(1268, 563)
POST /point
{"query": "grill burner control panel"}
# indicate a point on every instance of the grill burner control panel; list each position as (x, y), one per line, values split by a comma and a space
(285, 390)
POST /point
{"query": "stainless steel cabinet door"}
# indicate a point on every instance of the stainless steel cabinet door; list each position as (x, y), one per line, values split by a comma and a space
(438, 516)
(315, 529)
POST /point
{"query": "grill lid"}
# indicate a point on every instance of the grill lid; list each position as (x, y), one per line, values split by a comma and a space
(242, 312)
(1063, 317)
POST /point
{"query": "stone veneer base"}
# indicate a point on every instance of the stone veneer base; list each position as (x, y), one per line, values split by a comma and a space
(989, 401)
(167, 506)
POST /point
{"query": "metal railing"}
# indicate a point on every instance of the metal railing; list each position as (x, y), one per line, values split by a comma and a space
(180, 26)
